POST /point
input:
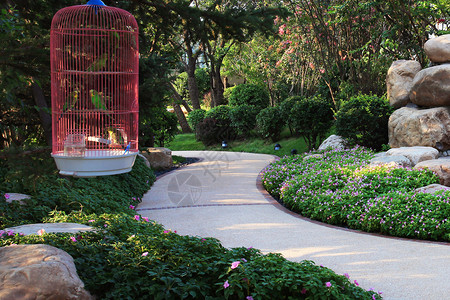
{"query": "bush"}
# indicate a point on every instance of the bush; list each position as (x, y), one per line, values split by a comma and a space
(285, 111)
(227, 92)
(219, 113)
(269, 123)
(340, 188)
(196, 116)
(249, 94)
(243, 118)
(363, 120)
(159, 126)
(312, 118)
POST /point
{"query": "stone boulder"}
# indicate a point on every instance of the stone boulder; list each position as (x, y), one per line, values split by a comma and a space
(431, 87)
(391, 160)
(415, 154)
(159, 158)
(438, 49)
(432, 189)
(399, 81)
(50, 228)
(39, 272)
(335, 142)
(410, 127)
(11, 197)
(440, 166)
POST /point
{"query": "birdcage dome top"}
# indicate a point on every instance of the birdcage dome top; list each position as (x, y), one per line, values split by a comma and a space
(94, 15)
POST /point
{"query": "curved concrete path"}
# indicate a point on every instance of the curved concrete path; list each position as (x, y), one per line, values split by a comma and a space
(218, 197)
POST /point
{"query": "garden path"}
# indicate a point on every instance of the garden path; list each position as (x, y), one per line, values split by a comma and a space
(221, 197)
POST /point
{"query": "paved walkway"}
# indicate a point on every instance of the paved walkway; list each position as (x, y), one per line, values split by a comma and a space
(218, 197)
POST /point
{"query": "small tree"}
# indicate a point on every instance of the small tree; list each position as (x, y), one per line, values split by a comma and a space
(269, 123)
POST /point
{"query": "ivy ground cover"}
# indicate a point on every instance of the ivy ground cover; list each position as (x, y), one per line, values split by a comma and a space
(340, 188)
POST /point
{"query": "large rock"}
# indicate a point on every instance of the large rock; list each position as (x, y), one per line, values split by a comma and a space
(391, 160)
(410, 127)
(399, 81)
(50, 228)
(431, 87)
(334, 142)
(159, 158)
(440, 166)
(438, 49)
(415, 154)
(432, 189)
(39, 272)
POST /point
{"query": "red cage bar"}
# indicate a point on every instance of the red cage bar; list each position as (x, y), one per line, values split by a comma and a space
(94, 75)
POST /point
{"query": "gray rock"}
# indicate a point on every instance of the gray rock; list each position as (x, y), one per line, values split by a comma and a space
(17, 197)
(399, 81)
(395, 160)
(415, 154)
(410, 127)
(432, 189)
(334, 142)
(50, 228)
(39, 272)
(431, 87)
(440, 166)
(438, 49)
(159, 158)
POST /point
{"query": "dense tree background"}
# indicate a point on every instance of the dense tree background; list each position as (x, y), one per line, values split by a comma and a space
(336, 47)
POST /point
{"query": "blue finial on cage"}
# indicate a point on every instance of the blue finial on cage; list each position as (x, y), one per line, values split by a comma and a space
(96, 2)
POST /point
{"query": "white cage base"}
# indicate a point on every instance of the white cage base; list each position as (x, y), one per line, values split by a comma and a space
(95, 163)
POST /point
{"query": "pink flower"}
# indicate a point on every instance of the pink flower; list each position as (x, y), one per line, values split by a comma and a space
(131, 207)
(328, 284)
(166, 231)
(249, 298)
(356, 282)
(90, 221)
(203, 240)
(235, 264)
(373, 297)
(41, 231)
(7, 196)
(73, 239)
(145, 254)
(136, 217)
(226, 284)
(303, 291)
(145, 219)
(10, 233)
(346, 275)
(106, 225)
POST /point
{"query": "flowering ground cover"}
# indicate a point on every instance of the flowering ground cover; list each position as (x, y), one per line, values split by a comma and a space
(131, 257)
(340, 188)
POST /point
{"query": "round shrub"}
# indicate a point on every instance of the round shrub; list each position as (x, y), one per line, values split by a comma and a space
(219, 113)
(216, 126)
(312, 118)
(207, 132)
(363, 120)
(250, 94)
(195, 117)
(269, 123)
(243, 118)
(285, 110)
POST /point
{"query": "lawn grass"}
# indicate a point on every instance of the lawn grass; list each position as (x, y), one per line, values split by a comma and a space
(187, 142)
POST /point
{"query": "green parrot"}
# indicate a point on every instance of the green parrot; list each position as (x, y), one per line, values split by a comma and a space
(71, 100)
(116, 136)
(97, 99)
(98, 64)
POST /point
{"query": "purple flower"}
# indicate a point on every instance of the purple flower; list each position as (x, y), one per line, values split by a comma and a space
(303, 291)
(144, 254)
(235, 264)
(136, 217)
(7, 196)
(356, 282)
(166, 231)
(226, 284)
(145, 219)
(90, 221)
(131, 207)
(249, 298)
(73, 239)
(10, 233)
(346, 275)
(328, 284)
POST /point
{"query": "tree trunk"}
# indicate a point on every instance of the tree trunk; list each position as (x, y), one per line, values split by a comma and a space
(178, 111)
(46, 119)
(190, 70)
(217, 86)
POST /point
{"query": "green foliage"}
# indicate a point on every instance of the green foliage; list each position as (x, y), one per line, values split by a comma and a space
(249, 94)
(340, 188)
(159, 126)
(269, 123)
(219, 113)
(312, 118)
(196, 116)
(363, 120)
(243, 118)
(227, 93)
(202, 78)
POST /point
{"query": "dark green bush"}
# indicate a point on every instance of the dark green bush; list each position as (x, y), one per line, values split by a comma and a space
(195, 117)
(250, 94)
(208, 132)
(159, 126)
(219, 113)
(363, 120)
(269, 123)
(312, 118)
(285, 111)
(243, 118)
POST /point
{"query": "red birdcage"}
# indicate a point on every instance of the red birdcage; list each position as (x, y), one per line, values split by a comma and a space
(94, 74)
